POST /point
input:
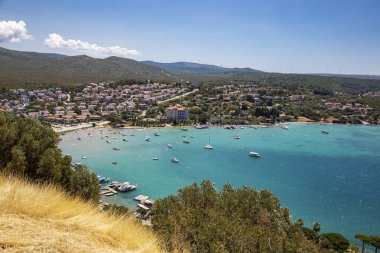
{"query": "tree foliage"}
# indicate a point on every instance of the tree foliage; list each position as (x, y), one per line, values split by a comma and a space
(244, 220)
(30, 149)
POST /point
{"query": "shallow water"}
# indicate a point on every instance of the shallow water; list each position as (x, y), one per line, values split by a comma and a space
(330, 178)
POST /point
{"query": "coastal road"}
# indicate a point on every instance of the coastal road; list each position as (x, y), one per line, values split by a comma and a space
(177, 97)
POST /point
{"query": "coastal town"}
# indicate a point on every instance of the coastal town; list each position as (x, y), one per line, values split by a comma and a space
(159, 103)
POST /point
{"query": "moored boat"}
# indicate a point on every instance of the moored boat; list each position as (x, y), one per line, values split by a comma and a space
(175, 160)
(170, 145)
(324, 132)
(254, 154)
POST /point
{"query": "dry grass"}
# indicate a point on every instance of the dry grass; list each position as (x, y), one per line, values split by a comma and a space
(43, 219)
(304, 119)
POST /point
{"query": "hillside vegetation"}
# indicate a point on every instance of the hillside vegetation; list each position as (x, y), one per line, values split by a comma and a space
(41, 218)
(21, 68)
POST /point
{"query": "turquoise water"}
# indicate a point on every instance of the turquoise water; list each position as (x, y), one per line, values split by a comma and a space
(330, 178)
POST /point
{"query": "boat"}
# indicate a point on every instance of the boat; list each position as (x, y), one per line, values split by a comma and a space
(241, 127)
(237, 137)
(103, 179)
(147, 202)
(84, 157)
(208, 146)
(109, 194)
(77, 164)
(125, 140)
(175, 160)
(155, 158)
(114, 162)
(284, 127)
(78, 138)
(147, 138)
(254, 154)
(141, 198)
(115, 148)
(191, 136)
(102, 137)
(156, 134)
(324, 132)
(126, 187)
(184, 129)
(170, 145)
(201, 127)
(185, 141)
(143, 207)
(108, 141)
(132, 135)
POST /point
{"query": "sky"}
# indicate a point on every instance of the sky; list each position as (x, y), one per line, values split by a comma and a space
(289, 36)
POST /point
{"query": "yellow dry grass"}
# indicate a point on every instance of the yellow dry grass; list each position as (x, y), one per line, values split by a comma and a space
(36, 218)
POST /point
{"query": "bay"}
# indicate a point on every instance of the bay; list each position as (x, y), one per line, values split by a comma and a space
(330, 178)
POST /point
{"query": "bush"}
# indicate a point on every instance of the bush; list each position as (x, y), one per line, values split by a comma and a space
(244, 220)
(29, 148)
(335, 242)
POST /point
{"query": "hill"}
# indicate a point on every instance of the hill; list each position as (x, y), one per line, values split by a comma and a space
(19, 68)
(37, 218)
(190, 68)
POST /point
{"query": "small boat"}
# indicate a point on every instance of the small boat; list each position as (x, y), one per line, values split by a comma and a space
(237, 137)
(113, 137)
(79, 139)
(132, 135)
(143, 207)
(191, 136)
(184, 129)
(109, 194)
(284, 127)
(102, 137)
(108, 141)
(185, 141)
(208, 146)
(114, 162)
(324, 132)
(241, 127)
(170, 145)
(175, 160)
(126, 187)
(125, 140)
(115, 148)
(147, 138)
(147, 202)
(156, 134)
(155, 158)
(77, 164)
(141, 198)
(254, 154)
(103, 179)
(84, 157)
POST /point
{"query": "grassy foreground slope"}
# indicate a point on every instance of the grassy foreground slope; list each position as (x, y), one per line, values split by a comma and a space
(44, 219)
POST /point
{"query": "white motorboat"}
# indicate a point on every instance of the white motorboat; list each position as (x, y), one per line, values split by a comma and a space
(175, 160)
(237, 137)
(114, 162)
(155, 158)
(156, 134)
(147, 138)
(185, 141)
(83, 157)
(170, 145)
(115, 148)
(254, 154)
(284, 127)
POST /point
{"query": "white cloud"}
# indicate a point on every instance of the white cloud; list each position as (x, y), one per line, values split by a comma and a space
(56, 41)
(13, 31)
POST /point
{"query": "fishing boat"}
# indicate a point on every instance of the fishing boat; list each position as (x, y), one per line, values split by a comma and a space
(185, 141)
(170, 145)
(324, 132)
(254, 154)
(115, 148)
(114, 162)
(208, 146)
(147, 138)
(175, 160)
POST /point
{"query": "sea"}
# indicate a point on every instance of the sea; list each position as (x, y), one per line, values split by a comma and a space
(333, 178)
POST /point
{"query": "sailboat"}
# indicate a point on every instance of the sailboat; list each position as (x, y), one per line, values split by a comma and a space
(208, 146)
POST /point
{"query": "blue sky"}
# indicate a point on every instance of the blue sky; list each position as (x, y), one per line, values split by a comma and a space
(291, 36)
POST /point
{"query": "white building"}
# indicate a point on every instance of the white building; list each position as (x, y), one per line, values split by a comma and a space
(177, 113)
